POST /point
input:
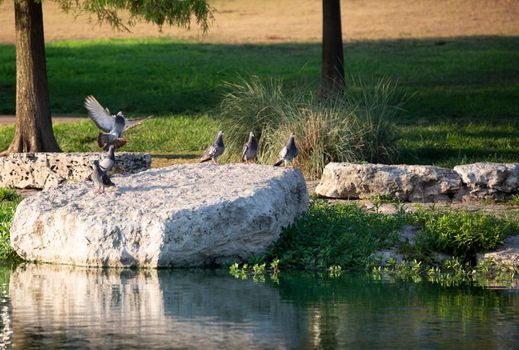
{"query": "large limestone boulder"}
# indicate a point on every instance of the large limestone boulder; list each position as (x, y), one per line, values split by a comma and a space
(403, 182)
(490, 180)
(44, 170)
(185, 215)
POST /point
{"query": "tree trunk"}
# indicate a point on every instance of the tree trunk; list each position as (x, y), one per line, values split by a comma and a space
(332, 66)
(33, 119)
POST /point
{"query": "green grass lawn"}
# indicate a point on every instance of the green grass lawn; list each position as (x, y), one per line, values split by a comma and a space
(463, 104)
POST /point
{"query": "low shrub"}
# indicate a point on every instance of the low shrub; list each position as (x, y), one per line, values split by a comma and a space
(351, 127)
(462, 233)
(335, 235)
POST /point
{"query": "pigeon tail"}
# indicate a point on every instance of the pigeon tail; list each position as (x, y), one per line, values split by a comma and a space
(107, 181)
(103, 141)
(206, 159)
(279, 162)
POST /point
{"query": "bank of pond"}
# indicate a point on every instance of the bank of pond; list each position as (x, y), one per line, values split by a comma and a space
(431, 244)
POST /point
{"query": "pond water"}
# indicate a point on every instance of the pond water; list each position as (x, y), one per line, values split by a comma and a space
(46, 306)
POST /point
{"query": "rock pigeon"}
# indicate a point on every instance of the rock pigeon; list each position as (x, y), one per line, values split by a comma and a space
(214, 151)
(288, 153)
(250, 149)
(108, 162)
(100, 178)
(112, 126)
(107, 165)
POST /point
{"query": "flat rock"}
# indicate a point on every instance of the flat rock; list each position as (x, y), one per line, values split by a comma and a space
(490, 180)
(184, 215)
(507, 254)
(402, 182)
(44, 170)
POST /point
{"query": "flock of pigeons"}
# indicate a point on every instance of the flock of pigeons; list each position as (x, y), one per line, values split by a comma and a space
(113, 126)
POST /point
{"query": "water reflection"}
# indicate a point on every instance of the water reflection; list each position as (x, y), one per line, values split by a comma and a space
(81, 307)
(68, 307)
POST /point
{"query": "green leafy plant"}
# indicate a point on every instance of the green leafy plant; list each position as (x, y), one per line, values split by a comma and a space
(7, 210)
(334, 271)
(344, 235)
(462, 233)
(258, 269)
(9, 195)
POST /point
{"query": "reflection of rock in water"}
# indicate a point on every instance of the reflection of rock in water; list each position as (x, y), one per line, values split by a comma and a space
(81, 307)
(6, 331)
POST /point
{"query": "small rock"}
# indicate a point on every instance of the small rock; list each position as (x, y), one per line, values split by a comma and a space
(416, 183)
(490, 180)
(507, 254)
(408, 234)
(439, 258)
(382, 257)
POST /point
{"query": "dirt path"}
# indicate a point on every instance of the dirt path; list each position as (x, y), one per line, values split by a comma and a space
(271, 21)
(11, 119)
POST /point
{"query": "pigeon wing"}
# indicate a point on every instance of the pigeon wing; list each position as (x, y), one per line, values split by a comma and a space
(136, 122)
(98, 114)
(208, 154)
(245, 148)
(283, 153)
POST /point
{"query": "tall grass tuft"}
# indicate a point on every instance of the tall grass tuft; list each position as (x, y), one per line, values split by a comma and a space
(354, 126)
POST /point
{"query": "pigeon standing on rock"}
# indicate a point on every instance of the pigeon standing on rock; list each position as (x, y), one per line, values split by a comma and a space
(99, 177)
(288, 153)
(214, 151)
(250, 149)
(107, 165)
(112, 126)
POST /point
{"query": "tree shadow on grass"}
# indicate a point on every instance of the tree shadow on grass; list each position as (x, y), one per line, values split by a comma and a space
(474, 77)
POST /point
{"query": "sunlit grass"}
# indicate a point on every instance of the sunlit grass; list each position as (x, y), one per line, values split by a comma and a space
(463, 107)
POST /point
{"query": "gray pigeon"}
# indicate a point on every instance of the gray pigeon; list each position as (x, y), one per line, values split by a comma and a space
(288, 153)
(112, 126)
(108, 162)
(250, 149)
(100, 178)
(214, 151)
(107, 165)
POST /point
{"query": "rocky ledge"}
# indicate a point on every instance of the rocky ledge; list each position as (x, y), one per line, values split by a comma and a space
(44, 170)
(419, 183)
(185, 215)
(507, 254)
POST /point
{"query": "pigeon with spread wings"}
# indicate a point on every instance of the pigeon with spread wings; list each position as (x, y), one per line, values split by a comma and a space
(112, 126)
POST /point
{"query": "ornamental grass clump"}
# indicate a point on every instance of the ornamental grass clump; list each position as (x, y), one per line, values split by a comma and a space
(354, 126)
